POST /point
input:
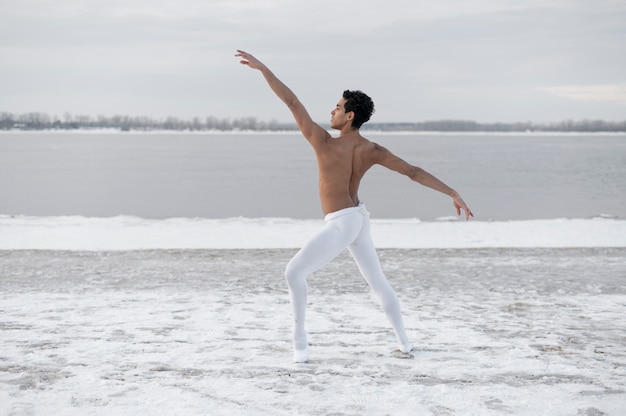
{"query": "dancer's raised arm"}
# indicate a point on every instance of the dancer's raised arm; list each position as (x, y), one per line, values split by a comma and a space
(311, 130)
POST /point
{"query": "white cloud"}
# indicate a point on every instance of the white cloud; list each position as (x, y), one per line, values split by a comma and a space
(604, 92)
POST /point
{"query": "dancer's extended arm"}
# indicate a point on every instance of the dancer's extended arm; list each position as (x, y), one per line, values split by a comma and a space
(311, 130)
(419, 175)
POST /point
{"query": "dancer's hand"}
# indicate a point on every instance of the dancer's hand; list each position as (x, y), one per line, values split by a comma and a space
(249, 60)
(459, 204)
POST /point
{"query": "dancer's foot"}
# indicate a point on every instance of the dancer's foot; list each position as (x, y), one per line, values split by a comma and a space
(405, 348)
(301, 356)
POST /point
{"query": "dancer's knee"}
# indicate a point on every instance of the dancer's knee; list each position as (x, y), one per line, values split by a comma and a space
(293, 275)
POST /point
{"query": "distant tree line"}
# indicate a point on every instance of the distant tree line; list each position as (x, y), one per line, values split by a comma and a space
(472, 126)
(43, 121)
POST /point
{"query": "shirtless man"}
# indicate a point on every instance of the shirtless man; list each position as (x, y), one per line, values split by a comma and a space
(342, 163)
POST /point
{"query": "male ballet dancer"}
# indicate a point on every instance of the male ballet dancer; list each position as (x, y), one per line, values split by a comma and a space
(342, 163)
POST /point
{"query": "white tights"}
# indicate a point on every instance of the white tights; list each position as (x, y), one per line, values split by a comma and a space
(349, 228)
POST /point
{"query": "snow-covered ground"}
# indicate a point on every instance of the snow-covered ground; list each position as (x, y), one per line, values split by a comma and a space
(523, 331)
(134, 233)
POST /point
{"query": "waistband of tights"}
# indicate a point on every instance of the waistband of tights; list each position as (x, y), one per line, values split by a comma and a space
(350, 210)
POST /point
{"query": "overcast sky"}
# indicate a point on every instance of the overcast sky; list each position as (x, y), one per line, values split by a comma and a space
(482, 60)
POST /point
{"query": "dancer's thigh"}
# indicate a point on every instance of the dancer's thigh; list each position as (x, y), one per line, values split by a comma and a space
(364, 253)
(325, 246)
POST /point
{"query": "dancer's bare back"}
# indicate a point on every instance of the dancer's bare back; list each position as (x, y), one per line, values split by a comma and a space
(342, 163)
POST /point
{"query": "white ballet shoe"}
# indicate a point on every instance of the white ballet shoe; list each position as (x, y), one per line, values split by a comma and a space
(405, 348)
(301, 356)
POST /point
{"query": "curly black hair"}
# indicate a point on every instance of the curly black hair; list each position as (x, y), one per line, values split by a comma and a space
(361, 104)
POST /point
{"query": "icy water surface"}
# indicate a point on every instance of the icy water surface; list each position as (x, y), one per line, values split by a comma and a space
(206, 332)
(223, 175)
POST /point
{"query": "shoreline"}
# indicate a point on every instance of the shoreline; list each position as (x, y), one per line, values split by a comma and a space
(365, 132)
(133, 233)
